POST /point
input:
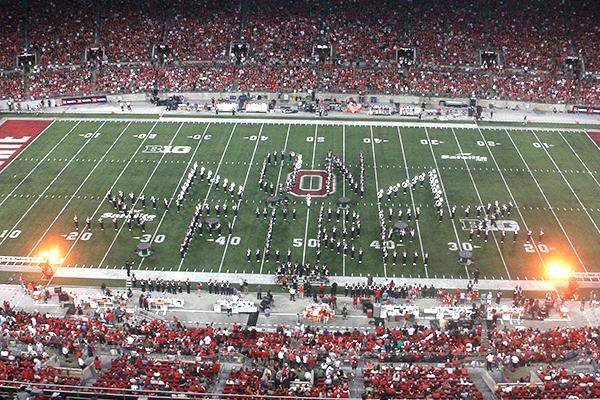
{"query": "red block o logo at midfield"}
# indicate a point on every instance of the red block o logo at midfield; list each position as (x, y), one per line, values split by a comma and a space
(302, 176)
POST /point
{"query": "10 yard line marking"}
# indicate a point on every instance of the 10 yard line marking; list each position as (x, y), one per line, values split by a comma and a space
(212, 183)
(510, 193)
(412, 199)
(137, 199)
(240, 200)
(308, 208)
(445, 195)
(566, 181)
(562, 228)
(481, 202)
(377, 189)
(112, 187)
(177, 188)
(287, 135)
(50, 184)
(79, 187)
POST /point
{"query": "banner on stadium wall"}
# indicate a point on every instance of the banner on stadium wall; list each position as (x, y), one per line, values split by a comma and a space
(227, 107)
(257, 107)
(67, 101)
(585, 110)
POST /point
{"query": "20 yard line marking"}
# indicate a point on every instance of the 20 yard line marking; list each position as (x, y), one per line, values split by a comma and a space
(112, 243)
(566, 181)
(78, 188)
(115, 181)
(481, 202)
(177, 188)
(445, 195)
(240, 200)
(412, 199)
(50, 184)
(216, 171)
(312, 165)
(377, 189)
(562, 228)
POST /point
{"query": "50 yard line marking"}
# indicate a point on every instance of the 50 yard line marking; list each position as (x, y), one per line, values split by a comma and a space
(562, 228)
(137, 199)
(445, 195)
(312, 166)
(177, 188)
(112, 187)
(212, 183)
(240, 200)
(412, 199)
(566, 181)
(287, 135)
(79, 187)
(39, 197)
(481, 202)
(377, 189)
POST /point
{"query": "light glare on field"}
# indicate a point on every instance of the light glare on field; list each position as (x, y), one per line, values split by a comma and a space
(51, 256)
(559, 270)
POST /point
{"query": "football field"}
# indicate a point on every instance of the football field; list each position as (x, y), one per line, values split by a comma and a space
(60, 169)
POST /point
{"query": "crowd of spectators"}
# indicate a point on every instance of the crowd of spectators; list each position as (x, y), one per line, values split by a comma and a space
(60, 81)
(125, 79)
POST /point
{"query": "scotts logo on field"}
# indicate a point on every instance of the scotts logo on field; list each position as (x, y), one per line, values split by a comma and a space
(313, 182)
(464, 156)
(16, 135)
(168, 149)
(121, 215)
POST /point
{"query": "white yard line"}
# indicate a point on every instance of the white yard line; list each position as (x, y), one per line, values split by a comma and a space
(98, 163)
(481, 202)
(240, 200)
(112, 243)
(312, 166)
(579, 158)
(215, 173)
(562, 228)
(566, 181)
(458, 242)
(177, 188)
(377, 191)
(344, 194)
(114, 183)
(287, 135)
(510, 193)
(41, 195)
(32, 142)
(412, 199)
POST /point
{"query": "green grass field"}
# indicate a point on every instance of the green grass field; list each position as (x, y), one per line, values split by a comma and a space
(550, 175)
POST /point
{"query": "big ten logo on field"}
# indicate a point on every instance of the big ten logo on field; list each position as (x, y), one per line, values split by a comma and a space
(500, 225)
(317, 183)
(160, 149)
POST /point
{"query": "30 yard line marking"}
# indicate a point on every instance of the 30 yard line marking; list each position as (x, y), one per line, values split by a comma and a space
(177, 188)
(481, 202)
(240, 200)
(70, 198)
(566, 181)
(579, 158)
(41, 159)
(112, 243)
(412, 199)
(510, 193)
(115, 181)
(458, 242)
(212, 183)
(377, 189)
(287, 135)
(40, 196)
(312, 166)
(562, 228)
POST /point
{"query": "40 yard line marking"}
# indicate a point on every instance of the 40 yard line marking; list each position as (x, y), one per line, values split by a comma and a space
(39, 197)
(566, 181)
(79, 188)
(112, 243)
(445, 195)
(412, 199)
(562, 228)
(312, 166)
(377, 189)
(177, 188)
(216, 171)
(481, 202)
(240, 200)
(112, 187)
